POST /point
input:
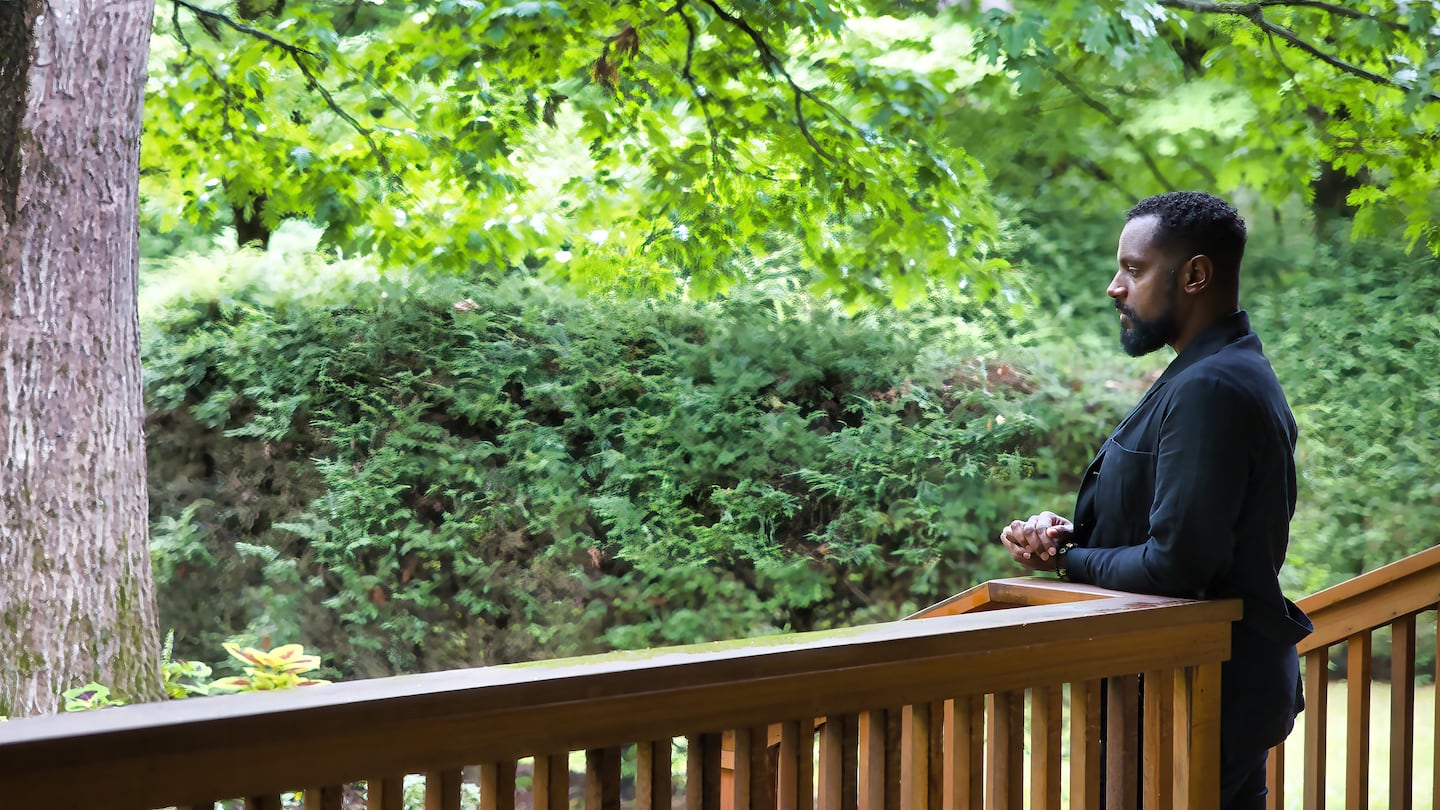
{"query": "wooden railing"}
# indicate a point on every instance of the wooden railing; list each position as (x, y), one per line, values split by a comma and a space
(915, 715)
(1350, 613)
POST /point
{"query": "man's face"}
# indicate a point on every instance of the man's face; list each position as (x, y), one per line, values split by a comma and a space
(1144, 290)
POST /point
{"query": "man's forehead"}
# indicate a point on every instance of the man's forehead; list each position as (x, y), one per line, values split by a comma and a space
(1137, 238)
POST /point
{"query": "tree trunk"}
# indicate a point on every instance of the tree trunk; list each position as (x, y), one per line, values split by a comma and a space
(76, 595)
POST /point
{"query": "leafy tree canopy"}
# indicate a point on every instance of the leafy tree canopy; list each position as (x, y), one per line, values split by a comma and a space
(691, 144)
(1335, 102)
(640, 143)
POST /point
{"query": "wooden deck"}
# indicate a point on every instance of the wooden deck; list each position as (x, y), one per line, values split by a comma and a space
(990, 699)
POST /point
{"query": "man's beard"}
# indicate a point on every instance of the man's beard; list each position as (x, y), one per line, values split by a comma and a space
(1144, 337)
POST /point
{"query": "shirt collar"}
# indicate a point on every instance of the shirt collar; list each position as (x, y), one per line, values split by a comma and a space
(1215, 337)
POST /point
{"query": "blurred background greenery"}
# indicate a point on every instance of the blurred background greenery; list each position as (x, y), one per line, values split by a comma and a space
(483, 332)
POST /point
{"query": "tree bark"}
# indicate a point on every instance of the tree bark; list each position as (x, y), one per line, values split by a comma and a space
(76, 595)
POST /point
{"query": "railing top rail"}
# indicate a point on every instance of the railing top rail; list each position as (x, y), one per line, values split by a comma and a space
(1016, 592)
(1373, 599)
(343, 732)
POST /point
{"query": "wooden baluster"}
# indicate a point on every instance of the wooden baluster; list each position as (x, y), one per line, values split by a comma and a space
(1275, 778)
(442, 789)
(795, 771)
(497, 785)
(602, 779)
(1402, 713)
(1047, 707)
(1317, 694)
(270, 801)
(828, 780)
(893, 724)
(964, 783)
(1182, 694)
(873, 755)
(1196, 730)
(1435, 766)
(1357, 722)
(550, 787)
(1005, 751)
(850, 765)
(915, 758)
(702, 772)
(1085, 763)
(1203, 758)
(727, 770)
(1122, 732)
(752, 769)
(653, 787)
(324, 798)
(738, 747)
(936, 768)
(839, 763)
(386, 793)
(1158, 717)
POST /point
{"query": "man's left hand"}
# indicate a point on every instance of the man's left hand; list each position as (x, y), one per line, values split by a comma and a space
(1033, 543)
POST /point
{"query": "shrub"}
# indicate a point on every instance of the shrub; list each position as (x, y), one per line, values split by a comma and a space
(429, 476)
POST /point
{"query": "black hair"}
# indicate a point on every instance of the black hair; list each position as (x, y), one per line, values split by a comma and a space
(1194, 222)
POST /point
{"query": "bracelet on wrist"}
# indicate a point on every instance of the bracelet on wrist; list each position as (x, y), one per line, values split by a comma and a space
(1062, 567)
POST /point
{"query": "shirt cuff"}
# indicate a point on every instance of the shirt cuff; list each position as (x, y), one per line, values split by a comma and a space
(1076, 567)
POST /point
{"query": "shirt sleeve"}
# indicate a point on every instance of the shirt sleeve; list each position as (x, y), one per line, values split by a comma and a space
(1202, 471)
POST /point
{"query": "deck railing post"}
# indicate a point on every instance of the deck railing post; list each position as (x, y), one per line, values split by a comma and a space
(1159, 739)
(1122, 737)
(1004, 751)
(1402, 713)
(1357, 722)
(1085, 760)
(1047, 724)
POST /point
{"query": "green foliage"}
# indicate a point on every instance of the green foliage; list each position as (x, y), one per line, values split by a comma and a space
(1334, 103)
(650, 146)
(430, 475)
(267, 671)
(182, 678)
(1353, 336)
(442, 474)
(281, 668)
(857, 148)
(90, 696)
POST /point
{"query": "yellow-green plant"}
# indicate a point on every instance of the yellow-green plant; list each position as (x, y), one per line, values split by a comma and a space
(281, 668)
(182, 678)
(90, 696)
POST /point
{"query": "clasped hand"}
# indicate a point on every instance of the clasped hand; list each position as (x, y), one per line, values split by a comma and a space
(1033, 543)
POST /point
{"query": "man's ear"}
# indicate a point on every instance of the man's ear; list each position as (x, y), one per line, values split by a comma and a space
(1196, 275)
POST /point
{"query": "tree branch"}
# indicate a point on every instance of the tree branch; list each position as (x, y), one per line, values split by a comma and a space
(297, 55)
(686, 73)
(1280, 60)
(190, 53)
(777, 68)
(1331, 8)
(1096, 171)
(1248, 9)
(1099, 106)
(1255, 13)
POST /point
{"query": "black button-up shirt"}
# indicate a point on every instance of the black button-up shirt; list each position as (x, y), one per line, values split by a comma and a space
(1193, 492)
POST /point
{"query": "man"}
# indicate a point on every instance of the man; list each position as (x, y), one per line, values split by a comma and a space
(1193, 492)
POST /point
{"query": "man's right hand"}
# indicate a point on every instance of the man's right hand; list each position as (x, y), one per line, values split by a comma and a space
(1033, 542)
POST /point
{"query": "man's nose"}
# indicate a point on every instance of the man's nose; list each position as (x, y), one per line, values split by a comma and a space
(1116, 290)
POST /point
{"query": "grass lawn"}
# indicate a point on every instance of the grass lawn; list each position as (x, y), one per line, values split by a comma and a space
(1379, 750)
